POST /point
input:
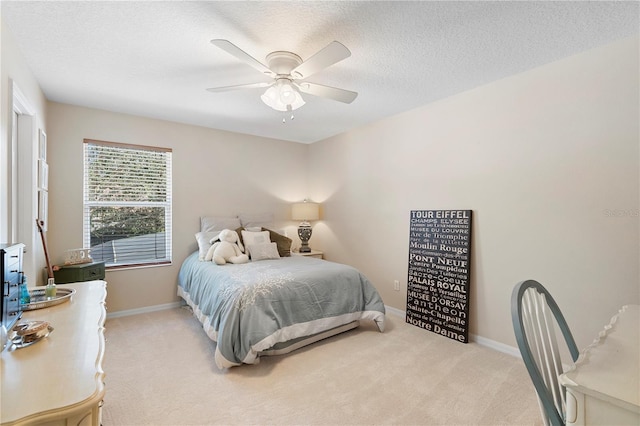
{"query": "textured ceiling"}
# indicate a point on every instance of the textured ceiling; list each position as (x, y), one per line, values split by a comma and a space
(155, 59)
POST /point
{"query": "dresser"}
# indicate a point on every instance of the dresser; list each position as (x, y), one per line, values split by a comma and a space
(603, 387)
(11, 270)
(59, 380)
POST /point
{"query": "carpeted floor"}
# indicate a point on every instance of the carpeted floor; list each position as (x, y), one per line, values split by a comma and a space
(160, 371)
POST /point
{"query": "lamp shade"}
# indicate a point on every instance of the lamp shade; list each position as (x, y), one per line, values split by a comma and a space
(282, 96)
(305, 211)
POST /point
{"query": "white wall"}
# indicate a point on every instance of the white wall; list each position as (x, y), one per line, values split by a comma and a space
(214, 173)
(548, 161)
(23, 161)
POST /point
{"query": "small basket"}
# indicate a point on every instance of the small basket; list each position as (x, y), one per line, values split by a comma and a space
(77, 256)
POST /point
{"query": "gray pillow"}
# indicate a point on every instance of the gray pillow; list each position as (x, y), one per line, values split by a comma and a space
(218, 223)
(256, 219)
(283, 242)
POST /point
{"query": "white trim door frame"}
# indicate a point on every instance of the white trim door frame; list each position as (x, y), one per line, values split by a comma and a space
(23, 199)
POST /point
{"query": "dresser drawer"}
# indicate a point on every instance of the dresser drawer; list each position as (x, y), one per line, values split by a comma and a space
(11, 277)
(95, 272)
(10, 287)
(12, 307)
(12, 258)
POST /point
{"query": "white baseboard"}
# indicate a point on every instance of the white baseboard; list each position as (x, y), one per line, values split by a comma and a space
(144, 310)
(395, 311)
(483, 341)
(500, 347)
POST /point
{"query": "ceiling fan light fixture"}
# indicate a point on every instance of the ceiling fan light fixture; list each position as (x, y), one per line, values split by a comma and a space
(283, 96)
(287, 69)
(287, 94)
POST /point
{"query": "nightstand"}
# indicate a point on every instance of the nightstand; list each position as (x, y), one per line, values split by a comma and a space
(80, 272)
(313, 253)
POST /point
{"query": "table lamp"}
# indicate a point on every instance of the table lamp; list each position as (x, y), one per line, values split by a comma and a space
(305, 212)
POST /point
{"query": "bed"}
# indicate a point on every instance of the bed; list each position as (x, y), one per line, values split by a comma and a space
(274, 306)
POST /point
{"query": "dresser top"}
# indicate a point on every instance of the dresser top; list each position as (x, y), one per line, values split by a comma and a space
(609, 367)
(4, 246)
(62, 370)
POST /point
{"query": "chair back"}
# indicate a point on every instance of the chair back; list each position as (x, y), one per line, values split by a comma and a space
(535, 316)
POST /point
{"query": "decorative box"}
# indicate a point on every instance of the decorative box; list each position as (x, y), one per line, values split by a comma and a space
(80, 272)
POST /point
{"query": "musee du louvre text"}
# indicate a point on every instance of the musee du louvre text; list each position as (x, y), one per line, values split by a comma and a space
(439, 271)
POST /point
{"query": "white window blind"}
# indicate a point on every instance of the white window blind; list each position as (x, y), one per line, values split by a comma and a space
(127, 203)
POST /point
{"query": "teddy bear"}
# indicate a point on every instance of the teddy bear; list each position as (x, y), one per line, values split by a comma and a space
(226, 248)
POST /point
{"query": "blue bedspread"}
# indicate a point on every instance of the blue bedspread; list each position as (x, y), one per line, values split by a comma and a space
(251, 307)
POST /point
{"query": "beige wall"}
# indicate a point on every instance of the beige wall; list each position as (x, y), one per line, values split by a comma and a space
(540, 158)
(214, 173)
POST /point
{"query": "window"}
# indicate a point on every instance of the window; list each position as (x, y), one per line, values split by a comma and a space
(127, 203)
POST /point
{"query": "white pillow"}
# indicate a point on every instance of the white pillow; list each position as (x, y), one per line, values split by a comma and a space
(218, 223)
(256, 220)
(263, 251)
(252, 238)
(203, 239)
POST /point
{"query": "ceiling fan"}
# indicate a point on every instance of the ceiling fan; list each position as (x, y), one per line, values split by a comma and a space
(288, 72)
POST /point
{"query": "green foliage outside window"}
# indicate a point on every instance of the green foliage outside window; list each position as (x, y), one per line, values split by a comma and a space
(112, 223)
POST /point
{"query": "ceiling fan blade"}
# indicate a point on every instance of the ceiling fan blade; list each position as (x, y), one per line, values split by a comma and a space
(334, 52)
(340, 95)
(239, 86)
(234, 50)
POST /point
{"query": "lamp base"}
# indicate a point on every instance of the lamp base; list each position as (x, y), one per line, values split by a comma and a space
(304, 232)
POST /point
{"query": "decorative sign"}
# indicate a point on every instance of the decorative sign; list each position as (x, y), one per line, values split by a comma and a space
(439, 270)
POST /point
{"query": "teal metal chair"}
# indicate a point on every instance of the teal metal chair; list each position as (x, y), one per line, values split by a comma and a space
(536, 316)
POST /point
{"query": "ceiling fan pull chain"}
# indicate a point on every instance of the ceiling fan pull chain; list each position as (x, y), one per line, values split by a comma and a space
(289, 109)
